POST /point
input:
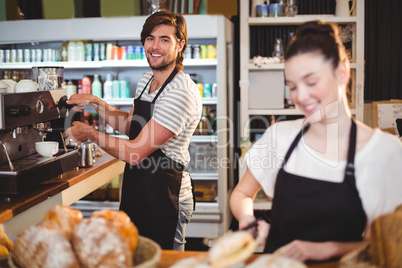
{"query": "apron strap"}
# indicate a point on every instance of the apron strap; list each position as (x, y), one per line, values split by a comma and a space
(170, 78)
(294, 143)
(350, 165)
(139, 97)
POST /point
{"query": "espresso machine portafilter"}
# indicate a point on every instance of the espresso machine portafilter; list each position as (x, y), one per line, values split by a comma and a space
(27, 118)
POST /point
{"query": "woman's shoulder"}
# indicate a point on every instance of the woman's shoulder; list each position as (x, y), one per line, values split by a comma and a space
(282, 131)
(381, 143)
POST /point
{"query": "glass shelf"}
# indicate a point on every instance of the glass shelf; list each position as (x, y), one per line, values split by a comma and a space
(298, 19)
(102, 64)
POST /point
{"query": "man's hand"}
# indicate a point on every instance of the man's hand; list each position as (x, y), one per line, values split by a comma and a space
(80, 100)
(78, 131)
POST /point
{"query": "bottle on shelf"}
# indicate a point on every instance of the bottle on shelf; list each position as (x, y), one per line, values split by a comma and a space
(203, 125)
(80, 51)
(64, 51)
(245, 145)
(71, 50)
(71, 89)
(108, 87)
(116, 87)
(79, 86)
(124, 89)
(212, 120)
(86, 85)
(97, 86)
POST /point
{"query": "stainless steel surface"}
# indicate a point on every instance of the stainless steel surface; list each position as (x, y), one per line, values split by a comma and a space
(34, 169)
(10, 164)
(63, 141)
(86, 152)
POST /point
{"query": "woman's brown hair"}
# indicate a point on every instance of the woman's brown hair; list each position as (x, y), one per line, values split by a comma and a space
(170, 19)
(317, 36)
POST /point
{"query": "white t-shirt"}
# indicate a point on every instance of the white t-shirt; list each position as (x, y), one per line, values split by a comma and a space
(378, 166)
(178, 108)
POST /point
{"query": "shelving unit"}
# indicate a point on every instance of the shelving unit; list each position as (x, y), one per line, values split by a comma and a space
(247, 67)
(210, 219)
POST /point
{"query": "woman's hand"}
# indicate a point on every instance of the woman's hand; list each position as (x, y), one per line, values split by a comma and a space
(304, 250)
(260, 233)
(318, 251)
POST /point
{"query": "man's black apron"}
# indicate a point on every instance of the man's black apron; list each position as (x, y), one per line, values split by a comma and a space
(150, 191)
(315, 210)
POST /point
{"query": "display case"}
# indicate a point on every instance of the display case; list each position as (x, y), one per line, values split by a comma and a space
(211, 166)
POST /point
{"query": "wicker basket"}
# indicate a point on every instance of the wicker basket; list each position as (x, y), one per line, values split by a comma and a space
(147, 254)
(359, 258)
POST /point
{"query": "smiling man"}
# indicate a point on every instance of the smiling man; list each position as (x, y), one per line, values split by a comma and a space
(157, 189)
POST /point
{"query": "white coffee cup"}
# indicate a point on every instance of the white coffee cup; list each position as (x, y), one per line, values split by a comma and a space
(4, 87)
(11, 84)
(47, 148)
(26, 85)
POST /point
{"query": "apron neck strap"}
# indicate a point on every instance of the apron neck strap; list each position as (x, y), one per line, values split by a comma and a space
(350, 165)
(168, 80)
(294, 143)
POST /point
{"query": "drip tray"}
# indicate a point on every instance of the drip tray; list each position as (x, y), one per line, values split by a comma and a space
(35, 169)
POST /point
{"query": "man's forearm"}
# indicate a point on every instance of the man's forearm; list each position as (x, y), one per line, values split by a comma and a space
(116, 118)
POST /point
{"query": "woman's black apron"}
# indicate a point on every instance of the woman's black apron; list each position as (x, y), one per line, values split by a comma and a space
(150, 191)
(315, 210)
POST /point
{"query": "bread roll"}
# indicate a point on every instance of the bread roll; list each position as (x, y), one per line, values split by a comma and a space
(272, 261)
(38, 246)
(4, 251)
(98, 243)
(123, 223)
(231, 249)
(62, 218)
(5, 241)
(386, 240)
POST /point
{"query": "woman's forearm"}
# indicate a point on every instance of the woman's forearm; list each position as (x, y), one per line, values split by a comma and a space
(241, 204)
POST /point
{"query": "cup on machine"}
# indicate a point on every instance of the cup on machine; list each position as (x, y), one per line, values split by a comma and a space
(47, 148)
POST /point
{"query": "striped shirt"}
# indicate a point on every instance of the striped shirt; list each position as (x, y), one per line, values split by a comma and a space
(178, 108)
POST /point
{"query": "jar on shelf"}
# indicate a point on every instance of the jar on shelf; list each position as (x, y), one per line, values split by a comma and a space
(278, 49)
(291, 8)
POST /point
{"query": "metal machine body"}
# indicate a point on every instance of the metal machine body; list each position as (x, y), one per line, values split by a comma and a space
(27, 118)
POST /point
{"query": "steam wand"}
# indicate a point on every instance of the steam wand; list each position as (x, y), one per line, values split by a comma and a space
(8, 157)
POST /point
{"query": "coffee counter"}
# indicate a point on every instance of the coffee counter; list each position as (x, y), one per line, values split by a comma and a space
(29, 208)
(169, 257)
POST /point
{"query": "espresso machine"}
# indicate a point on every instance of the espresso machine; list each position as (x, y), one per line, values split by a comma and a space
(27, 118)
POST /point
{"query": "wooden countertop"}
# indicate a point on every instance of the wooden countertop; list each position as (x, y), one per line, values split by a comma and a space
(65, 190)
(169, 257)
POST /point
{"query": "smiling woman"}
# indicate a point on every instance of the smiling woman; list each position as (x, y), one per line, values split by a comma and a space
(327, 155)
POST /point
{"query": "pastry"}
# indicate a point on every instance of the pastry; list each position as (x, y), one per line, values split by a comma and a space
(63, 218)
(4, 251)
(386, 240)
(5, 241)
(123, 223)
(98, 243)
(275, 261)
(231, 249)
(39, 246)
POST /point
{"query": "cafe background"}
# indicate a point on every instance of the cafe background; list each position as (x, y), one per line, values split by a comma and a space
(217, 27)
